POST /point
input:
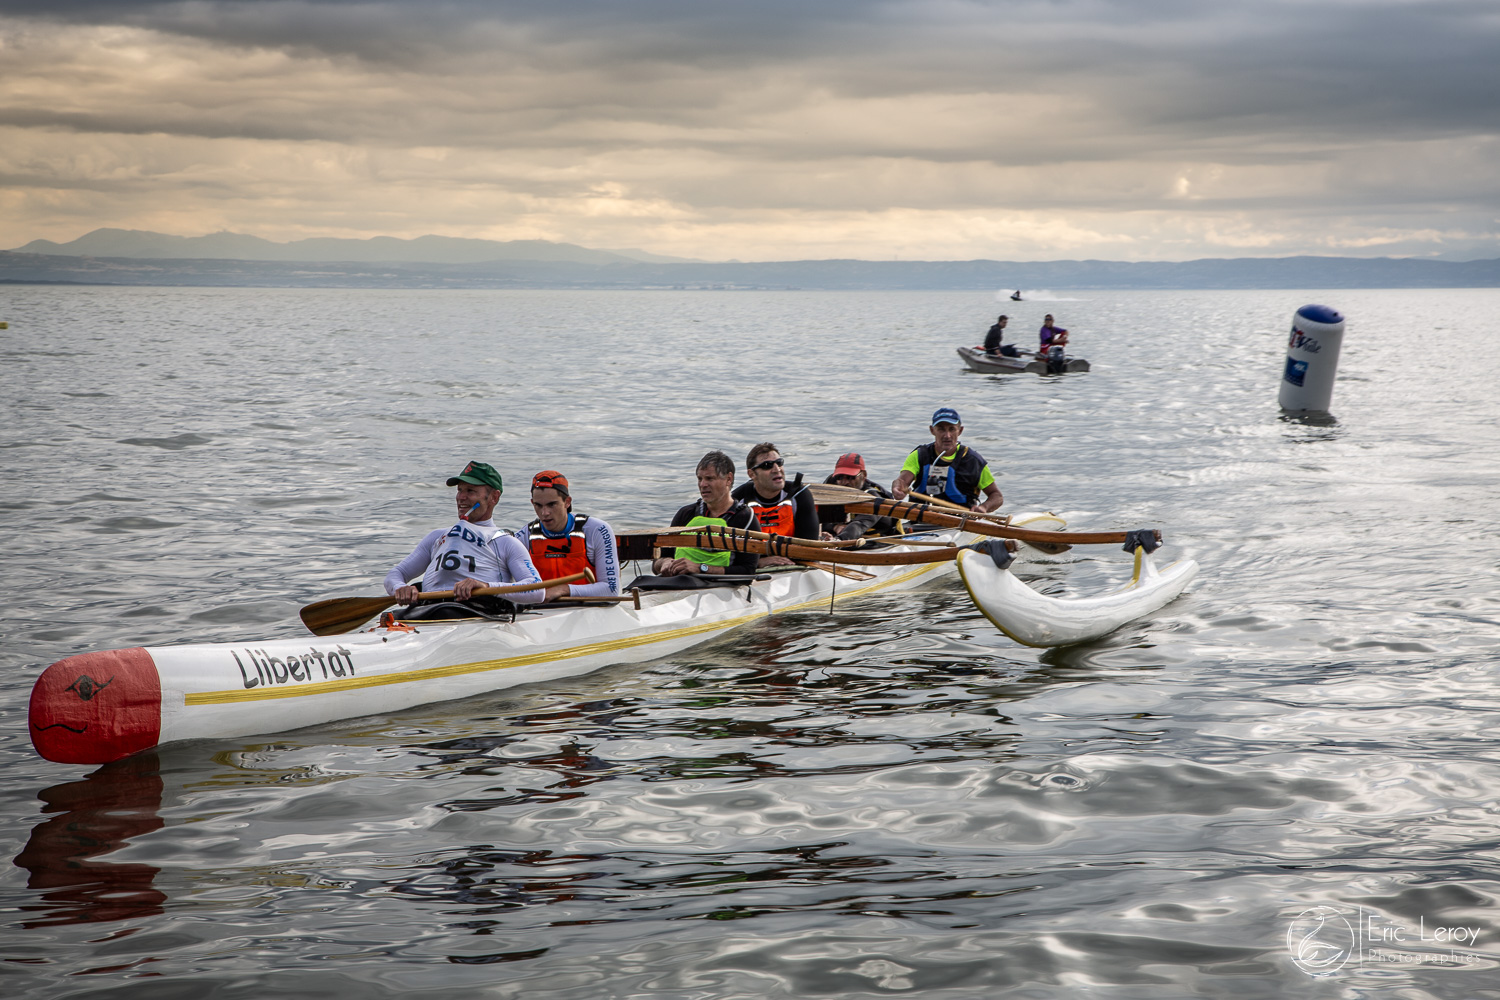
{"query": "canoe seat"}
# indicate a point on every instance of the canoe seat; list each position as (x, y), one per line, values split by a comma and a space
(489, 606)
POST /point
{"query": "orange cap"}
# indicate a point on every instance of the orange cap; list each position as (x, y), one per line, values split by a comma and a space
(549, 479)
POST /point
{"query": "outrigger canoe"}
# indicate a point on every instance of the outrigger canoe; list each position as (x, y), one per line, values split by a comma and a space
(97, 707)
(1000, 364)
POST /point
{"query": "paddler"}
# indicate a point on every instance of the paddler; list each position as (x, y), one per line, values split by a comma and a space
(561, 542)
(780, 511)
(713, 506)
(948, 470)
(849, 471)
(473, 553)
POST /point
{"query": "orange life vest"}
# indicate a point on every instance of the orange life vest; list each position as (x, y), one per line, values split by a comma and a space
(555, 557)
(776, 518)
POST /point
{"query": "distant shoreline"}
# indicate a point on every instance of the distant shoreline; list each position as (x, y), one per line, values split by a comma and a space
(832, 275)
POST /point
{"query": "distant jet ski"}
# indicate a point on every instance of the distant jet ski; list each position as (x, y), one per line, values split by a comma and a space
(1016, 295)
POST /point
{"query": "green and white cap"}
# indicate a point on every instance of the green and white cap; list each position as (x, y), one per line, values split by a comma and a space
(479, 474)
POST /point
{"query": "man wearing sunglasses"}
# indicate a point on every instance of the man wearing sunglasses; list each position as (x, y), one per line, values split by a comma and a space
(562, 543)
(948, 470)
(780, 511)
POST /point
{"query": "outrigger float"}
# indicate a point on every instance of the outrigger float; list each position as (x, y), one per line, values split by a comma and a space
(97, 707)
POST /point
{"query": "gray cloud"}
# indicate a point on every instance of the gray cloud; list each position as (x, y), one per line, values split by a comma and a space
(1383, 113)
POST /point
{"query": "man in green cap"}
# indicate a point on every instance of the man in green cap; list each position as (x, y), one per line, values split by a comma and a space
(473, 553)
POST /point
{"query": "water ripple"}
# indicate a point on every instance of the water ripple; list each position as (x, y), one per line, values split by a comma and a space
(891, 799)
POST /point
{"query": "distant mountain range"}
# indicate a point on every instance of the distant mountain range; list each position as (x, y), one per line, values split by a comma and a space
(126, 257)
(140, 244)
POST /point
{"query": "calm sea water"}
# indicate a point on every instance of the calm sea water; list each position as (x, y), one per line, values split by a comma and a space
(893, 800)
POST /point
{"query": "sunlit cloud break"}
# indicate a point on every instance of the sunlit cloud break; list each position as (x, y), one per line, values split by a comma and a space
(936, 130)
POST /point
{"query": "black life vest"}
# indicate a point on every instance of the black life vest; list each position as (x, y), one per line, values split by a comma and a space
(956, 481)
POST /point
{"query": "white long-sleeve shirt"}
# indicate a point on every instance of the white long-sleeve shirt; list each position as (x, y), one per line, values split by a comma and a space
(470, 549)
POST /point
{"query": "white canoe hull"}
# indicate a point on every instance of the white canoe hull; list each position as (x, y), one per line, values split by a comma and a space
(1034, 619)
(999, 364)
(97, 707)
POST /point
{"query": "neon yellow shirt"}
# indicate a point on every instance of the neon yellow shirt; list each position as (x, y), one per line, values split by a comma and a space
(915, 468)
(712, 558)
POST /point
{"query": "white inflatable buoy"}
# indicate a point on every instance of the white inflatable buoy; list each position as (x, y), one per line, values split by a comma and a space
(1312, 360)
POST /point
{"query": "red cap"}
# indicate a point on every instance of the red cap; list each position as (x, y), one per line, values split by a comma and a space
(548, 479)
(849, 465)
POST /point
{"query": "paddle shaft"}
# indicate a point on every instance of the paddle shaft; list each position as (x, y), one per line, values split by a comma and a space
(582, 576)
(719, 539)
(977, 524)
(843, 571)
(1051, 548)
(634, 597)
(995, 525)
(851, 543)
(950, 505)
(342, 614)
(803, 551)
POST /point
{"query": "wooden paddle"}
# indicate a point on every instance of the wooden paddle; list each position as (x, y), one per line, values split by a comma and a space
(803, 567)
(338, 615)
(831, 494)
(807, 550)
(726, 540)
(864, 503)
(852, 543)
(1051, 548)
(634, 597)
(843, 571)
(746, 532)
(950, 505)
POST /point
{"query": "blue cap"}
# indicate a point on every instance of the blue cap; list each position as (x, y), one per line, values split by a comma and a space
(945, 415)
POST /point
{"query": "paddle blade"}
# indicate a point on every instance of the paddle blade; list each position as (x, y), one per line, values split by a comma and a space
(338, 615)
(828, 493)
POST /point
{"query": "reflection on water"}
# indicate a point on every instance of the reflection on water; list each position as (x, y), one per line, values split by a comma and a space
(97, 816)
(889, 799)
(1309, 418)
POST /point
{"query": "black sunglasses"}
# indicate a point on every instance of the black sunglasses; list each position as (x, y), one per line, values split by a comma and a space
(769, 464)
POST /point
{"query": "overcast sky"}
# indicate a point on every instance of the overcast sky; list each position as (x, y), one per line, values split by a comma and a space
(766, 130)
